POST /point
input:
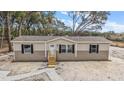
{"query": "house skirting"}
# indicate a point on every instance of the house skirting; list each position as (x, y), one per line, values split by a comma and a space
(36, 56)
(81, 55)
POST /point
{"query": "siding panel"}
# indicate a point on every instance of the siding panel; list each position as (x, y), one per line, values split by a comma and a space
(85, 47)
(36, 56)
(39, 47)
(83, 55)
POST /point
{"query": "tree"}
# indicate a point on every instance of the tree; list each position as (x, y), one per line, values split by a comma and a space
(47, 21)
(16, 23)
(20, 17)
(7, 29)
(87, 21)
(2, 20)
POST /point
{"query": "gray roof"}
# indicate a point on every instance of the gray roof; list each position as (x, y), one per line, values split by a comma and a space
(74, 38)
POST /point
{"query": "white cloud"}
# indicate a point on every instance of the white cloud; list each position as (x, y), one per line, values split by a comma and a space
(68, 23)
(113, 26)
(64, 13)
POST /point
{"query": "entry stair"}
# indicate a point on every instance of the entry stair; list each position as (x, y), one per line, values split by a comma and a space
(51, 59)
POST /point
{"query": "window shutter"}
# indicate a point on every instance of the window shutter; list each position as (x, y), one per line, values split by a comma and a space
(90, 48)
(22, 47)
(73, 48)
(32, 48)
(59, 48)
(97, 49)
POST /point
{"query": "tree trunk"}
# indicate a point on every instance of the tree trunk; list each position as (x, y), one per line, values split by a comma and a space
(2, 36)
(19, 30)
(7, 30)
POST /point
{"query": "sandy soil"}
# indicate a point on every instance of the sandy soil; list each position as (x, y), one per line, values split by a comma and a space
(4, 50)
(21, 67)
(7, 64)
(95, 70)
(91, 71)
(40, 77)
(117, 52)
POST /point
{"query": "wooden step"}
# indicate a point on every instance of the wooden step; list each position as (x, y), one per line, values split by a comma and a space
(51, 60)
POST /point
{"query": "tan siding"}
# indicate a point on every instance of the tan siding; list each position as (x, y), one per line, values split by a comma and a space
(82, 47)
(85, 47)
(103, 47)
(39, 47)
(82, 52)
(17, 47)
(36, 56)
(83, 55)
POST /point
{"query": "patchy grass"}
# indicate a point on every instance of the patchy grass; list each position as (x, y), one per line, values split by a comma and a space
(118, 44)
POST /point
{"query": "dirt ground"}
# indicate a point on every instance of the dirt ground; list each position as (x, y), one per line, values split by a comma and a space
(117, 52)
(7, 64)
(91, 71)
(40, 77)
(21, 67)
(86, 70)
(95, 70)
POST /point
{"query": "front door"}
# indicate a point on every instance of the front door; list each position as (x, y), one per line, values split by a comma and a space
(52, 56)
(52, 50)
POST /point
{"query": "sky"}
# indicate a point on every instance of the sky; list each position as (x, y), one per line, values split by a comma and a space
(115, 21)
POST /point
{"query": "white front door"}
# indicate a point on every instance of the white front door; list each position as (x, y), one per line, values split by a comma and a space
(52, 50)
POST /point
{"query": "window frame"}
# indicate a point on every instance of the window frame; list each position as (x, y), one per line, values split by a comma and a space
(91, 50)
(63, 48)
(70, 49)
(67, 48)
(31, 50)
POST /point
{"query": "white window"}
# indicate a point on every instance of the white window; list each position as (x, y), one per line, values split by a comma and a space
(27, 49)
(66, 48)
(63, 48)
(70, 49)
